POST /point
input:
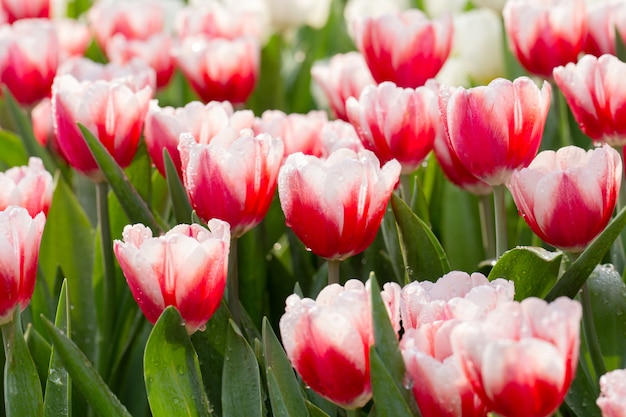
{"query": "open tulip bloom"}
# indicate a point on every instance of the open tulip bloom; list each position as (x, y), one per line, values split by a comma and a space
(242, 222)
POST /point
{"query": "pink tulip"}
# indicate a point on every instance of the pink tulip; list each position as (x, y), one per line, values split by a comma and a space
(603, 20)
(435, 375)
(217, 20)
(135, 73)
(584, 186)
(595, 91)
(299, 132)
(338, 134)
(456, 295)
(233, 178)
(41, 116)
(134, 20)
(113, 112)
(220, 69)
(344, 76)
(74, 38)
(24, 9)
(20, 235)
(497, 128)
(404, 47)
(327, 340)
(612, 399)
(155, 51)
(27, 186)
(165, 125)
(185, 268)
(29, 52)
(406, 135)
(522, 357)
(335, 206)
(545, 34)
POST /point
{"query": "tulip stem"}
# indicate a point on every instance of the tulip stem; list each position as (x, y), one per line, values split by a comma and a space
(485, 209)
(102, 206)
(233, 282)
(499, 204)
(352, 412)
(333, 271)
(591, 336)
(566, 134)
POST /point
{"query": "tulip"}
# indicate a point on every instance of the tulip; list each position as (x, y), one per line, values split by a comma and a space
(594, 90)
(543, 35)
(583, 189)
(335, 206)
(338, 134)
(20, 235)
(135, 73)
(299, 132)
(73, 36)
(344, 76)
(221, 20)
(286, 15)
(603, 20)
(220, 69)
(28, 59)
(233, 178)
(165, 125)
(612, 399)
(497, 128)
(155, 51)
(405, 135)
(526, 350)
(24, 9)
(185, 268)
(357, 10)
(328, 339)
(28, 186)
(456, 295)
(404, 47)
(435, 375)
(112, 111)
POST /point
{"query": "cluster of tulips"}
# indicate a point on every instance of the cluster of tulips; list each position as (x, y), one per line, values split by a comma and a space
(166, 217)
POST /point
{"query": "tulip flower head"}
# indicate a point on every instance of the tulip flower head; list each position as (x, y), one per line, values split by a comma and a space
(185, 268)
(567, 197)
(523, 350)
(299, 132)
(406, 135)
(28, 186)
(24, 9)
(497, 128)
(20, 236)
(327, 340)
(164, 125)
(545, 34)
(233, 178)
(612, 399)
(335, 206)
(596, 94)
(604, 19)
(405, 47)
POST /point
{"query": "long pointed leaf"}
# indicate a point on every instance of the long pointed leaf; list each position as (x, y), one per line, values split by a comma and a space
(22, 389)
(172, 371)
(84, 375)
(58, 388)
(134, 206)
(180, 201)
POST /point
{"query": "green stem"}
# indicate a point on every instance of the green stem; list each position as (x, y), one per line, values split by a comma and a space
(333, 271)
(499, 205)
(566, 133)
(406, 189)
(233, 282)
(485, 209)
(591, 336)
(353, 412)
(102, 207)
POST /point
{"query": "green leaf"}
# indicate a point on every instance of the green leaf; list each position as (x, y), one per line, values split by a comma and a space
(178, 194)
(134, 206)
(58, 388)
(389, 231)
(533, 270)
(423, 255)
(172, 371)
(22, 389)
(68, 242)
(581, 397)
(241, 383)
(40, 351)
(608, 303)
(573, 279)
(284, 390)
(252, 267)
(84, 376)
(11, 150)
(315, 411)
(25, 130)
(386, 363)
